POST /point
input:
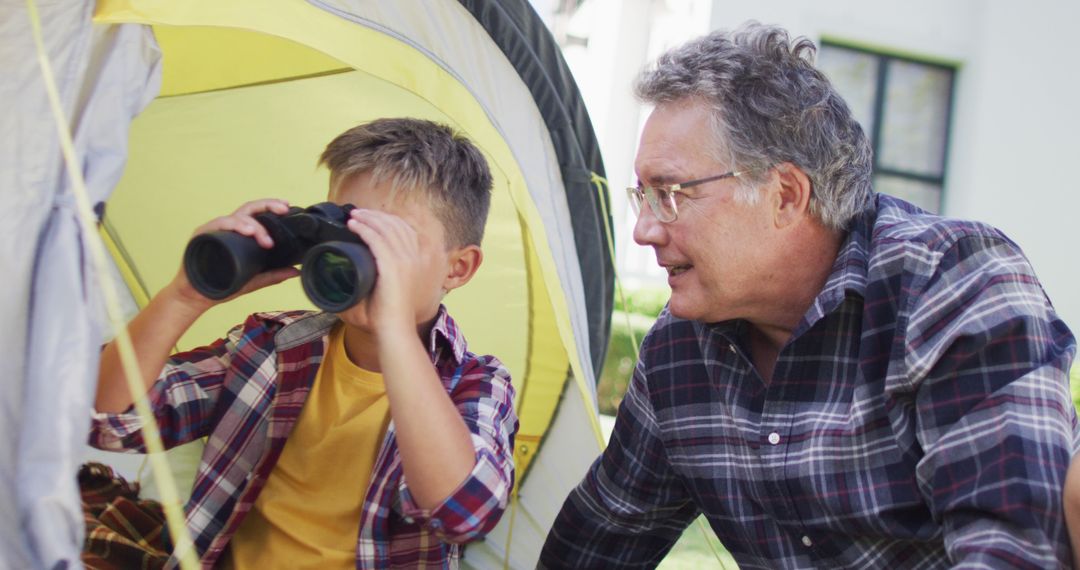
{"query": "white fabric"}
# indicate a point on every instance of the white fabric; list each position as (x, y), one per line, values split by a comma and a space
(52, 305)
(20, 219)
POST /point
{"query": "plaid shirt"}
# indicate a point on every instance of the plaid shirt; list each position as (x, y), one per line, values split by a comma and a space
(122, 531)
(245, 392)
(919, 417)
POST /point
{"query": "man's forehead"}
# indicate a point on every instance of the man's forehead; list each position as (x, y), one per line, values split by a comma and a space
(676, 159)
(668, 163)
(676, 142)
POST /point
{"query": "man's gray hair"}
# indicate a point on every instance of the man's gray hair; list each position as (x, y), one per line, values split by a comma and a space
(771, 105)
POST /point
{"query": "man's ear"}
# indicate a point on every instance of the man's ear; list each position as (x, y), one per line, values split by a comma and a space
(792, 199)
(464, 261)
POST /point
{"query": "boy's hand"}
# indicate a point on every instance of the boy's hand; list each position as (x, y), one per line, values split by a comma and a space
(435, 444)
(157, 328)
(243, 222)
(407, 291)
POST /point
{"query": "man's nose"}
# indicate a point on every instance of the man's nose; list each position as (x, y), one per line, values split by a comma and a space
(648, 230)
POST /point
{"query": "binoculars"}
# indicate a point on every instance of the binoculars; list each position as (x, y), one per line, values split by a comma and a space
(337, 268)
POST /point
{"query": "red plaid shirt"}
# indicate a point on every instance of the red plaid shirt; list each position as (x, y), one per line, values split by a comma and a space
(244, 394)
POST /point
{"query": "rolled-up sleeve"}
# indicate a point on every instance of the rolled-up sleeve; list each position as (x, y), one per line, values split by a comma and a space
(484, 397)
(996, 421)
(181, 400)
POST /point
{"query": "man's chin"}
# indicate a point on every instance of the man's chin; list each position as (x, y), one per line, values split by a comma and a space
(689, 310)
(681, 310)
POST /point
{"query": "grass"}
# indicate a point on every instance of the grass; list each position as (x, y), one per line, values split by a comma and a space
(692, 551)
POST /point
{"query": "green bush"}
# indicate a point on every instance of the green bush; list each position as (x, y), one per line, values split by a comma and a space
(621, 358)
(629, 323)
(647, 302)
(1074, 383)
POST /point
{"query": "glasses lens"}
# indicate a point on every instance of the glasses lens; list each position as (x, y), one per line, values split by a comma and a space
(635, 199)
(662, 203)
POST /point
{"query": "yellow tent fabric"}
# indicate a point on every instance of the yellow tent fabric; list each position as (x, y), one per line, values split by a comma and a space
(251, 92)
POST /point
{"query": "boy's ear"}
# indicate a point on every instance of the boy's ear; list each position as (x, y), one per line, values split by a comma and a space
(464, 261)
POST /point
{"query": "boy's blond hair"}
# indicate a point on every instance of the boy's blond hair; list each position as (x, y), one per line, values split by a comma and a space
(424, 156)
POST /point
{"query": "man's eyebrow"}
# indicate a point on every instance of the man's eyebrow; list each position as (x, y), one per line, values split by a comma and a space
(660, 179)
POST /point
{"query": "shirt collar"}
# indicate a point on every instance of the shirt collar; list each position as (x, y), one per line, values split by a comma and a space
(309, 326)
(848, 275)
(446, 332)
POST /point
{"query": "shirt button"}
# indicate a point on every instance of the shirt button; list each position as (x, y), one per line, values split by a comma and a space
(806, 541)
(774, 438)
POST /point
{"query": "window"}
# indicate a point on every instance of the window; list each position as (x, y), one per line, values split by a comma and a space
(904, 105)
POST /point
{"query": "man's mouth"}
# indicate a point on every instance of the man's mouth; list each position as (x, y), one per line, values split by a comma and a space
(674, 270)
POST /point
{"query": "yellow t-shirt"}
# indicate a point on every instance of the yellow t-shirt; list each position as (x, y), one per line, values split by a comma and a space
(308, 515)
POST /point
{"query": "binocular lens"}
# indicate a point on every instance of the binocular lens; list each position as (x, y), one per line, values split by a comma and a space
(214, 264)
(333, 278)
(219, 263)
(337, 275)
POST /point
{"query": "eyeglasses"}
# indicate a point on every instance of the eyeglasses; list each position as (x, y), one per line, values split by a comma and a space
(662, 198)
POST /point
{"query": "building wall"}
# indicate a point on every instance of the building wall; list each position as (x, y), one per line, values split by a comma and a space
(1017, 138)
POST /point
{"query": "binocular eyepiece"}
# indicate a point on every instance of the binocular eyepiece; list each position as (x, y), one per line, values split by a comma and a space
(337, 268)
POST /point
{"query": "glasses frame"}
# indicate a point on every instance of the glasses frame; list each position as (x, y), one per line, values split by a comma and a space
(666, 192)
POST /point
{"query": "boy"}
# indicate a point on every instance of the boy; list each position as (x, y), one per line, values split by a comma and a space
(303, 467)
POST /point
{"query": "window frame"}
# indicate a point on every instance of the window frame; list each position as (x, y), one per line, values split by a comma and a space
(881, 84)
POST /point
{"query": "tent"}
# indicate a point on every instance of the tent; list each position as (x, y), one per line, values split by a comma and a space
(180, 111)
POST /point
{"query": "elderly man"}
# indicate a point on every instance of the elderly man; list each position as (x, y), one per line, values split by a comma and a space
(840, 380)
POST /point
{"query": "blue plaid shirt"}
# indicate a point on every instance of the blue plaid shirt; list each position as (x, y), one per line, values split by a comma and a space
(919, 417)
